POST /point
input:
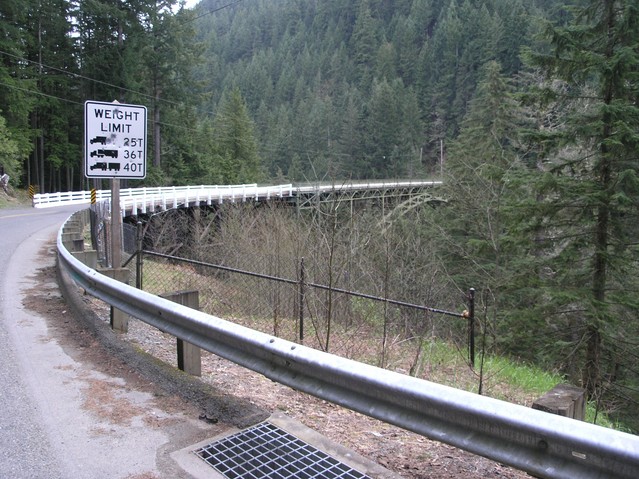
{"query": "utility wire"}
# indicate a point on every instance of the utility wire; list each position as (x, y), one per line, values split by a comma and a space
(35, 92)
(111, 85)
(209, 12)
(82, 77)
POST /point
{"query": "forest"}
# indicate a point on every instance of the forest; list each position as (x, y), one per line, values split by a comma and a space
(527, 110)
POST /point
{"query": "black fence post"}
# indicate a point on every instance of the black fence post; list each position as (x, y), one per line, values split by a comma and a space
(138, 260)
(471, 327)
(302, 293)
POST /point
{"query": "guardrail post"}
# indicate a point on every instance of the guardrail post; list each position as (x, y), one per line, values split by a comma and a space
(564, 400)
(119, 319)
(88, 257)
(188, 356)
(72, 235)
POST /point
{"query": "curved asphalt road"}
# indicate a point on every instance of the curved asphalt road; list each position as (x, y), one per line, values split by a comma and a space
(46, 429)
(25, 449)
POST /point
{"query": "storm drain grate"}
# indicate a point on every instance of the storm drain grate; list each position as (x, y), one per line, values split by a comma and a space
(266, 451)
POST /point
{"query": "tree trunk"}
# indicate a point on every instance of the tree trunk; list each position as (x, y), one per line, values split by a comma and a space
(157, 143)
(591, 375)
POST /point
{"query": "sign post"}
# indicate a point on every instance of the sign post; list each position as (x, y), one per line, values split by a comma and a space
(115, 148)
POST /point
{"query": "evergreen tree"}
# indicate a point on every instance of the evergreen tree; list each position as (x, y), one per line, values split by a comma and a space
(383, 129)
(438, 71)
(391, 131)
(56, 119)
(16, 78)
(350, 134)
(587, 191)
(236, 148)
(514, 21)
(365, 44)
(9, 153)
(479, 168)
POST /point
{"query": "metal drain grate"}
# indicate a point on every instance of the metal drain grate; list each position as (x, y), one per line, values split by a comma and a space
(266, 451)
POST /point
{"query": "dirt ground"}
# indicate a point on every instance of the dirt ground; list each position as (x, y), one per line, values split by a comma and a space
(228, 394)
(406, 453)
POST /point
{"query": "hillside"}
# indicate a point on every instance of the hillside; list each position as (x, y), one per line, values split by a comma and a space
(363, 89)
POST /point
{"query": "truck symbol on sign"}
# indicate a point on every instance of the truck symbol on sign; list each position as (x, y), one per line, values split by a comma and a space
(99, 139)
(101, 153)
(106, 166)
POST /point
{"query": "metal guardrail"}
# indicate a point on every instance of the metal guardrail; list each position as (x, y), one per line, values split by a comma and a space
(539, 443)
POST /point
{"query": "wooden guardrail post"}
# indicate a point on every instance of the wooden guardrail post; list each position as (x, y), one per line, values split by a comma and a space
(88, 257)
(563, 400)
(189, 357)
(119, 319)
(72, 235)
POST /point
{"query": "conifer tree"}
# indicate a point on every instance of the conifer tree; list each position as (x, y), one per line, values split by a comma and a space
(587, 189)
(16, 79)
(9, 152)
(365, 44)
(235, 142)
(479, 246)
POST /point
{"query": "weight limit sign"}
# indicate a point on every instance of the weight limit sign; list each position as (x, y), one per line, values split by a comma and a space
(114, 140)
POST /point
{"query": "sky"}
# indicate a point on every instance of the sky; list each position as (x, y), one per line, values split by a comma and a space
(191, 3)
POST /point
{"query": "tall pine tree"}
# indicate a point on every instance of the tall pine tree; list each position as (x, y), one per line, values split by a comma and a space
(477, 239)
(237, 155)
(587, 191)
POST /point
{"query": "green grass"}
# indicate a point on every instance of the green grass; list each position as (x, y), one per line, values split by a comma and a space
(529, 379)
(18, 199)
(161, 278)
(503, 378)
(534, 382)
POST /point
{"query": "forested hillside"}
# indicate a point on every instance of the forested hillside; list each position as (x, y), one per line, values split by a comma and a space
(528, 110)
(313, 89)
(361, 89)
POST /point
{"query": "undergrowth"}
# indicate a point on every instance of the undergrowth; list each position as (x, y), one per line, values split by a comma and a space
(439, 361)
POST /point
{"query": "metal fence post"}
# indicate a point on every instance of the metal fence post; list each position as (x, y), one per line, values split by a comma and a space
(302, 292)
(471, 327)
(138, 260)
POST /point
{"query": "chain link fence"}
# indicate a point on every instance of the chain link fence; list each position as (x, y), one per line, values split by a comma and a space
(316, 278)
(339, 281)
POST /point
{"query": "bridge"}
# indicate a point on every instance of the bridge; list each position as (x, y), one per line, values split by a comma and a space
(136, 201)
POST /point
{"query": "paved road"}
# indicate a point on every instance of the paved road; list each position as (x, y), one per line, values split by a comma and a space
(59, 417)
(25, 449)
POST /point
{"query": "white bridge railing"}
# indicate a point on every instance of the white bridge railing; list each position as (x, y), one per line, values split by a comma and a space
(149, 200)
(145, 200)
(542, 444)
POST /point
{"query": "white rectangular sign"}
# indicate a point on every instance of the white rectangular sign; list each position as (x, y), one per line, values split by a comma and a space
(114, 140)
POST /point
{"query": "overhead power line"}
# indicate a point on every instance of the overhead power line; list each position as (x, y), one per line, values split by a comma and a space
(83, 77)
(209, 12)
(110, 85)
(39, 93)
